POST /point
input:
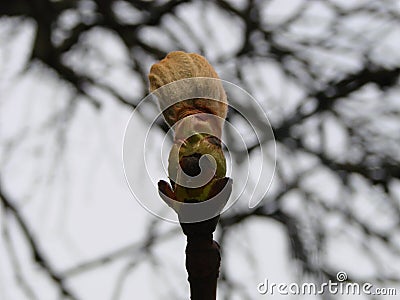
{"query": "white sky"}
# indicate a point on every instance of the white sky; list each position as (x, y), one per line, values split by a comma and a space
(76, 199)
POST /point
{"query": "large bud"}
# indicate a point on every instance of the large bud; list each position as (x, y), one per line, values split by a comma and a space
(176, 67)
(192, 98)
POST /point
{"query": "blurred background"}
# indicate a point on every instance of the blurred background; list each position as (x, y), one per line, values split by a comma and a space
(71, 72)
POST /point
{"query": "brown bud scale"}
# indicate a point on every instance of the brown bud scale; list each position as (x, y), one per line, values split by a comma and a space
(179, 65)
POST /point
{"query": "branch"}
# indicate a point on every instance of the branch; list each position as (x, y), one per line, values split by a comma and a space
(36, 252)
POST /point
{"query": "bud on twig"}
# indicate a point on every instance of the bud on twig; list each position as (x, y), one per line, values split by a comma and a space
(193, 102)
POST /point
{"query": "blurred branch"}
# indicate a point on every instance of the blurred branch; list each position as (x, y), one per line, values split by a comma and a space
(20, 278)
(34, 247)
(134, 249)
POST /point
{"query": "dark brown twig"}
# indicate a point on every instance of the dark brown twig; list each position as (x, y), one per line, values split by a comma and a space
(203, 259)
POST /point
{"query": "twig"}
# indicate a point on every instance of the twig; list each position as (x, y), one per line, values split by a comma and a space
(203, 259)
